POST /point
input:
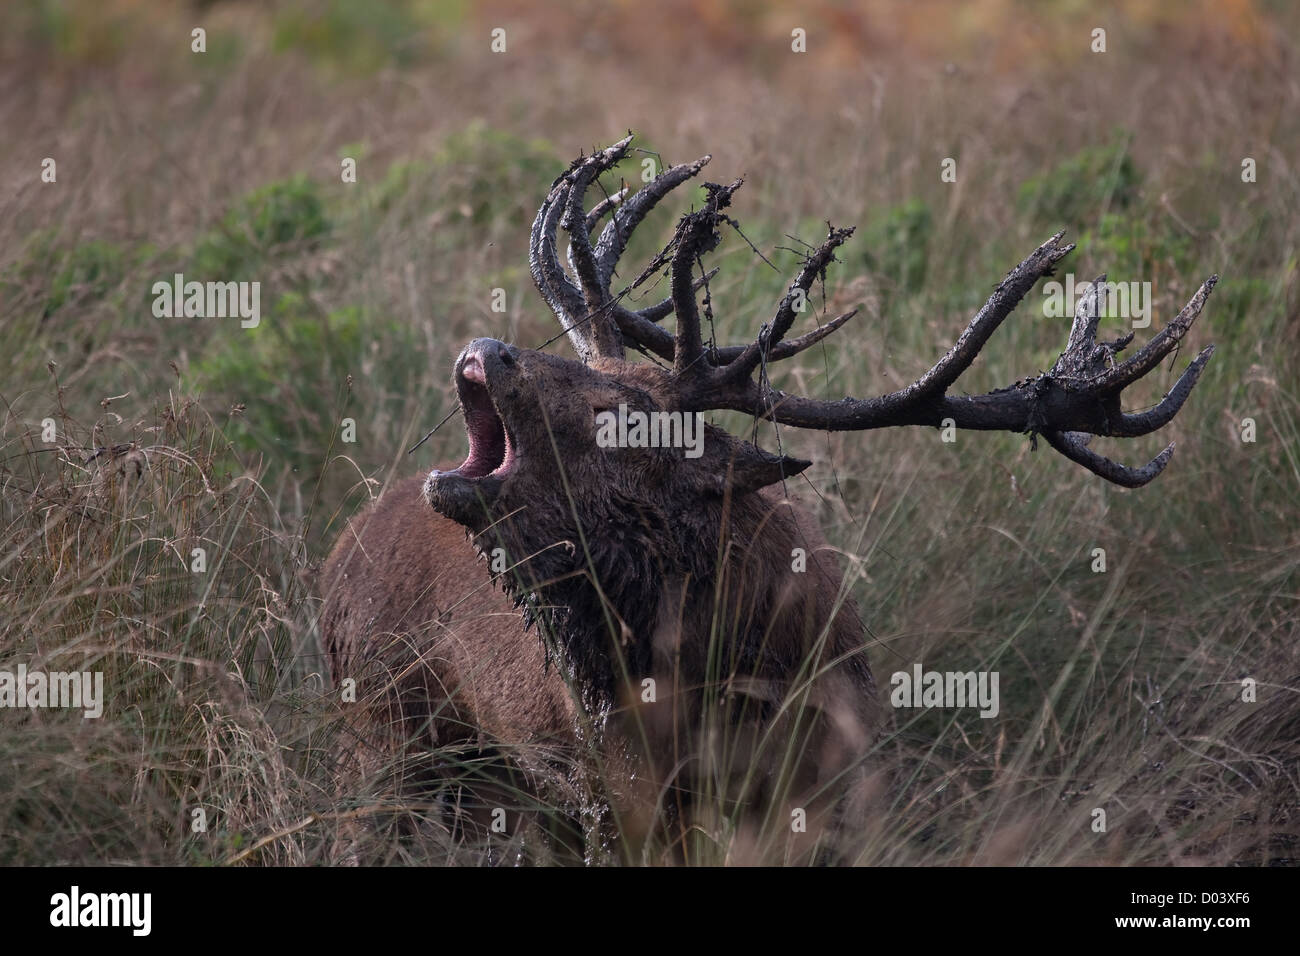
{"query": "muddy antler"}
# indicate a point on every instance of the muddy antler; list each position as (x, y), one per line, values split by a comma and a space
(1077, 399)
(595, 320)
(591, 315)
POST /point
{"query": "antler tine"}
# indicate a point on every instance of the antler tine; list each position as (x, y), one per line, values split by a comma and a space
(638, 326)
(602, 208)
(603, 333)
(1149, 356)
(696, 234)
(1004, 299)
(662, 343)
(787, 348)
(640, 329)
(1083, 331)
(644, 333)
(661, 310)
(1143, 423)
(548, 275)
(1073, 446)
(592, 334)
(613, 238)
(814, 267)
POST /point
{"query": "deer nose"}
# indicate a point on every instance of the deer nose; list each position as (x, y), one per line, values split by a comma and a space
(481, 353)
(486, 350)
(483, 347)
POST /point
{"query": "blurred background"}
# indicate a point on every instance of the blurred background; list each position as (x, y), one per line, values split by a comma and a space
(1121, 688)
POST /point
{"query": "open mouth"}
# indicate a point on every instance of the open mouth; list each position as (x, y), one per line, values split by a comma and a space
(491, 451)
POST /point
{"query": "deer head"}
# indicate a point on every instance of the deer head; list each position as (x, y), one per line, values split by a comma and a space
(599, 540)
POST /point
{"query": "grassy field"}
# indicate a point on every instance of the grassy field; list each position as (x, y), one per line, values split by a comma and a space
(1121, 691)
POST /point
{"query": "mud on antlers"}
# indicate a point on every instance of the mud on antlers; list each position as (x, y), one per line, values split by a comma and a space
(1078, 398)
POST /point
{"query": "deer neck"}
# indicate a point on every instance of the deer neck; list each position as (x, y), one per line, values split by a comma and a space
(650, 592)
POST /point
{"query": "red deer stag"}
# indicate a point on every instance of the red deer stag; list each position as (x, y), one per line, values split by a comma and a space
(626, 565)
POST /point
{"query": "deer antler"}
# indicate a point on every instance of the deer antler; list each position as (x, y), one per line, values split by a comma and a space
(593, 318)
(1077, 399)
(595, 321)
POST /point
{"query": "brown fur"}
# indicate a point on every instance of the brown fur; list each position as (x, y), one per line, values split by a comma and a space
(635, 564)
(439, 655)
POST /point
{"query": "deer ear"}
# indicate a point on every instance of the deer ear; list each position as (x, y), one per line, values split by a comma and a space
(751, 472)
(729, 464)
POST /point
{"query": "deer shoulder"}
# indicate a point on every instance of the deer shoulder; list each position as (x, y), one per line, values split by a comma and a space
(411, 611)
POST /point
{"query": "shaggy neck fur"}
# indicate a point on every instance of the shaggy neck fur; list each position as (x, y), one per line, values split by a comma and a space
(609, 600)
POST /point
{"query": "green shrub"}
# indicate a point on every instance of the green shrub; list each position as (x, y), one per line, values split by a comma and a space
(291, 372)
(55, 277)
(1127, 247)
(1078, 188)
(283, 214)
(896, 245)
(490, 173)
